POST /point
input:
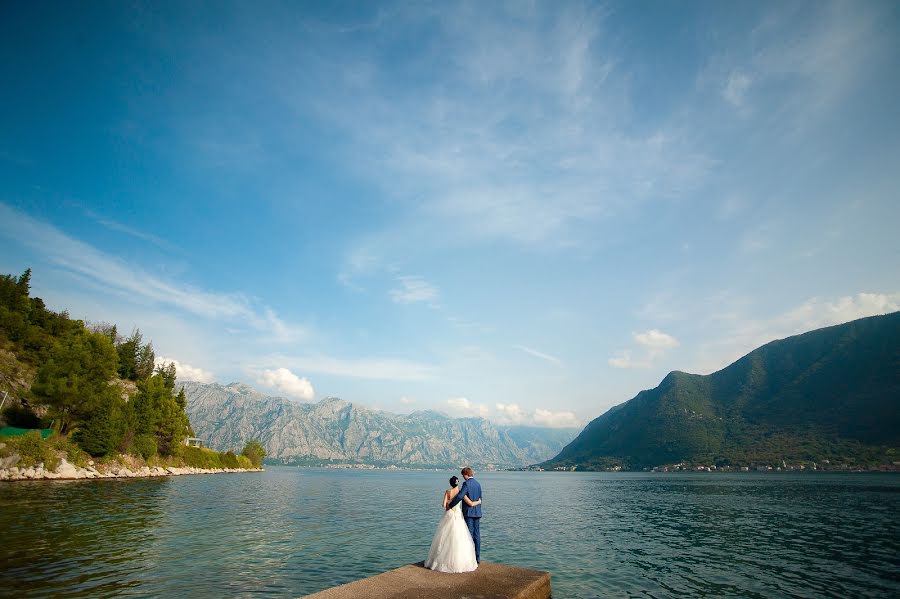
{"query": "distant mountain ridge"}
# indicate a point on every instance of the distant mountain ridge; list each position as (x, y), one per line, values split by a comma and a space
(830, 394)
(338, 431)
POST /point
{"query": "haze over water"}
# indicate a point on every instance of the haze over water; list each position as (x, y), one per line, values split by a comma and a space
(288, 532)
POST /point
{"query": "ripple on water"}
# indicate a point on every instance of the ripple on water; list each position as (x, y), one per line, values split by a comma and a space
(288, 532)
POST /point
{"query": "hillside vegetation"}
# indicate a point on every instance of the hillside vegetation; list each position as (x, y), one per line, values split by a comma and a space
(830, 396)
(101, 393)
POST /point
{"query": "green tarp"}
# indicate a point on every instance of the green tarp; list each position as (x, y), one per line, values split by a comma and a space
(11, 431)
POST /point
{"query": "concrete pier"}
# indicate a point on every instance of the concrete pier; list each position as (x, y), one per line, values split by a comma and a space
(489, 581)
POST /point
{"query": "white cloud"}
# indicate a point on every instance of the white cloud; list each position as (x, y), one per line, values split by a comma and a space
(514, 414)
(413, 289)
(510, 413)
(742, 334)
(656, 340)
(539, 354)
(186, 372)
(386, 369)
(555, 419)
(456, 153)
(461, 406)
(287, 382)
(623, 359)
(114, 275)
(407, 401)
(736, 87)
(654, 343)
(817, 313)
(358, 263)
(816, 58)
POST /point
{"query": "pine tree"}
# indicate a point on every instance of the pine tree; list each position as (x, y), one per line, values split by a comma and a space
(75, 378)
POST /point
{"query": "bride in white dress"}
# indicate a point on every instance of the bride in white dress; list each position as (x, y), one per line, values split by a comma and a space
(452, 549)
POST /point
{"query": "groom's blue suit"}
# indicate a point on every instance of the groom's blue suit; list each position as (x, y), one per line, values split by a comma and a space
(472, 515)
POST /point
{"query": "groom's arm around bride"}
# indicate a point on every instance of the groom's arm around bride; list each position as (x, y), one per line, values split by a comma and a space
(470, 495)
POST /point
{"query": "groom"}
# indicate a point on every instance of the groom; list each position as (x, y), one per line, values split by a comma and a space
(472, 515)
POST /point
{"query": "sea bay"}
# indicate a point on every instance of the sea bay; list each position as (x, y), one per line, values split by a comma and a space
(292, 531)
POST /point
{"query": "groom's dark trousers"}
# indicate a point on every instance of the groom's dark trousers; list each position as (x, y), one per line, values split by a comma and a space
(472, 515)
(474, 525)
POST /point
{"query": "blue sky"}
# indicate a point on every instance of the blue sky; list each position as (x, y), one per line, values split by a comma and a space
(526, 211)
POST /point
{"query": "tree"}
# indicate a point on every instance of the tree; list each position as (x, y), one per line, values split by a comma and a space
(76, 377)
(128, 355)
(255, 452)
(167, 371)
(145, 365)
(158, 413)
(23, 288)
(136, 360)
(101, 432)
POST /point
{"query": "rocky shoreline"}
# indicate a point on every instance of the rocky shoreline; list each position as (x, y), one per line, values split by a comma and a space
(68, 471)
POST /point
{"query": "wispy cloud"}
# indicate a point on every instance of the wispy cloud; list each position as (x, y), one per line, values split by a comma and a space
(654, 344)
(386, 369)
(462, 406)
(131, 231)
(359, 262)
(413, 289)
(808, 59)
(458, 151)
(94, 265)
(539, 354)
(741, 333)
(736, 87)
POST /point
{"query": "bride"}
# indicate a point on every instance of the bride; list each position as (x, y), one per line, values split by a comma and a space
(452, 549)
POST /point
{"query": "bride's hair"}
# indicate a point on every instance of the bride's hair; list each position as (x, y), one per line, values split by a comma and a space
(453, 482)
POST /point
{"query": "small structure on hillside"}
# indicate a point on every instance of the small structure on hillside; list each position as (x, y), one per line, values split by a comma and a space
(193, 442)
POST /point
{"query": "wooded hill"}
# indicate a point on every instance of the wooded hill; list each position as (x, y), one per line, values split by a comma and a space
(101, 390)
(831, 394)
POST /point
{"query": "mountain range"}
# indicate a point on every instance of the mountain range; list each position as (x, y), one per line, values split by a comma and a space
(338, 431)
(831, 394)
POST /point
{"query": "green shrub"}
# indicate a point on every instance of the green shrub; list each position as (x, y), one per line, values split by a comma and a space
(200, 457)
(229, 460)
(32, 451)
(74, 454)
(145, 446)
(255, 452)
(244, 462)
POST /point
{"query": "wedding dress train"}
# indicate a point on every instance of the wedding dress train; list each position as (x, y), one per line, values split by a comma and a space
(452, 549)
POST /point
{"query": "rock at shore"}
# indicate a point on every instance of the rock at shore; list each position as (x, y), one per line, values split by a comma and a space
(68, 471)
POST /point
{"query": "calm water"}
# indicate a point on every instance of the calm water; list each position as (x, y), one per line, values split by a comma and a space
(287, 532)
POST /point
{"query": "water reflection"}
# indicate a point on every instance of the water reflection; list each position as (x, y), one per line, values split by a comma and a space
(287, 532)
(88, 538)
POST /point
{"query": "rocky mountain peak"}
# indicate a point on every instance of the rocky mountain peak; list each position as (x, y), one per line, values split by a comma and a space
(336, 430)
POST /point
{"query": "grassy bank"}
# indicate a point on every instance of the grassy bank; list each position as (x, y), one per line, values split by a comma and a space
(33, 451)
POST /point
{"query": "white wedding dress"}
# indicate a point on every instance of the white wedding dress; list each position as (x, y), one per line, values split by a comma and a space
(452, 549)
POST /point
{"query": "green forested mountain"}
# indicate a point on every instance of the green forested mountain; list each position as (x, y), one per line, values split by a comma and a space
(830, 394)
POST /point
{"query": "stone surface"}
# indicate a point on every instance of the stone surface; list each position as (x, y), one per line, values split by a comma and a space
(66, 470)
(489, 581)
